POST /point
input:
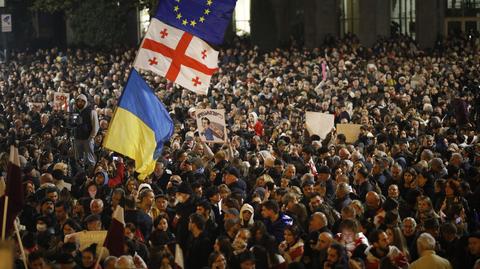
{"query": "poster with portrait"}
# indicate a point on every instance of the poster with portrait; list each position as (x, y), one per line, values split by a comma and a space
(61, 101)
(37, 107)
(211, 125)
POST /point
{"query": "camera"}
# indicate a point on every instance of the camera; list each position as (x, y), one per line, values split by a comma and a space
(74, 120)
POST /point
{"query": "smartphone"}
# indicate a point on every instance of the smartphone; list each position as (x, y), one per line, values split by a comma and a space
(115, 158)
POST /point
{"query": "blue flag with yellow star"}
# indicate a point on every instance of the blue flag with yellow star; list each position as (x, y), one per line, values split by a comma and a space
(206, 19)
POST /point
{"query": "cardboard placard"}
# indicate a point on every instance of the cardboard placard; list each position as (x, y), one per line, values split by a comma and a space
(61, 101)
(87, 238)
(319, 123)
(351, 131)
(211, 125)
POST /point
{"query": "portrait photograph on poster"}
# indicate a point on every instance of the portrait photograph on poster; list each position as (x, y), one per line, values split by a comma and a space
(211, 125)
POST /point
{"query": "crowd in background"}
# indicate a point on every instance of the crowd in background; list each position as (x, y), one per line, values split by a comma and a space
(404, 195)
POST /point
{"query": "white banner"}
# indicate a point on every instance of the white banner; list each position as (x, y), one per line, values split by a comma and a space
(319, 123)
(87, 238)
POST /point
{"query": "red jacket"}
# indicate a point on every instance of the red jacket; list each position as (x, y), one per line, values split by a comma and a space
(118, 178)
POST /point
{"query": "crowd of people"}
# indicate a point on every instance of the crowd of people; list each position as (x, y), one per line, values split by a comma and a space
(404, 195)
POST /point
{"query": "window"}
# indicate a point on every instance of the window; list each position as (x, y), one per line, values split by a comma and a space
(349, 20)
(403, 17)
(242, 17)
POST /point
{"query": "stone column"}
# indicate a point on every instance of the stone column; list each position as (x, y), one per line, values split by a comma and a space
(374, 20)
(429, 23)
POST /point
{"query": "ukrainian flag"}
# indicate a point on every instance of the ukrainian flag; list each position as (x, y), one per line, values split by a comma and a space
(140, 125)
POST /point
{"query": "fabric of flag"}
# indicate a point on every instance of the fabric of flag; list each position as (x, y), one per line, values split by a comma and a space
(14, 191)
(140, 126)
(115, 239)
(178, 56)
(179, 261)
(206, 19)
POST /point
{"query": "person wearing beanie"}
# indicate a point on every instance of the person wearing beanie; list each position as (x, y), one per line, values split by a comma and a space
(86, 129)
(186, 205)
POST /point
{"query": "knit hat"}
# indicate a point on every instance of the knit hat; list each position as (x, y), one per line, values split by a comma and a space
(323, 170)
(390, 204)
(184, 187)
(233, 171)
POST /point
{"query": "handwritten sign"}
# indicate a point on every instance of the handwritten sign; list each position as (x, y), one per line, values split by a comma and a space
(60, 101)
(87, 238)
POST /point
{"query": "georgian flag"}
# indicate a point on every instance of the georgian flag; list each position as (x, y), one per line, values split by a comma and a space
(178, 56)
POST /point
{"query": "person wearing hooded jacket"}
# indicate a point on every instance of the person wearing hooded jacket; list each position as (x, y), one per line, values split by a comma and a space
(246, 215)
(85, 131)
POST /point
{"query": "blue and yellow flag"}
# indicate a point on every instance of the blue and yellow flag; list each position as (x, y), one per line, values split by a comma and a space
(206, 19)
(140, 126)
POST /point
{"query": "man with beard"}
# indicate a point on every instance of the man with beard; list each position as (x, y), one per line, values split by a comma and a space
(274, 220)
(290, 174)
(381, 255)
(85, 131)
(318, 250)
(336, 257)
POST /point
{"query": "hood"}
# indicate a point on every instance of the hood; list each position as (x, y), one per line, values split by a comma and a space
(105, 177)
(249, 208)
(255, 116)
(84, 98)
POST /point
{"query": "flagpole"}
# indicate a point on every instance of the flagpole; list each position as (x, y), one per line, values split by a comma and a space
(4, 224)
(24, 256)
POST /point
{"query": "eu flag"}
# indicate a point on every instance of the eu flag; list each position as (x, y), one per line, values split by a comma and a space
(206, 19)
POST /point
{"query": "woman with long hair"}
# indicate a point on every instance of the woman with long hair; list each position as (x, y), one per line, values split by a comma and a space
(396, 238)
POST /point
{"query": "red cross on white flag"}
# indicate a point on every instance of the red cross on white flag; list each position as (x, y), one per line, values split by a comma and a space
(178, 56)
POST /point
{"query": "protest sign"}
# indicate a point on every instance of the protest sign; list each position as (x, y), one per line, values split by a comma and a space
(211, 125)
(37, 107)
(319, 123)
(351, 131)
(61, 101)
(87, 238)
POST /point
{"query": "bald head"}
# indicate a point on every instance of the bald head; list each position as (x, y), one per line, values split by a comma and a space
(344, 154)
(372, 199)
(317, 221)
(46, 178)
(324, 241)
